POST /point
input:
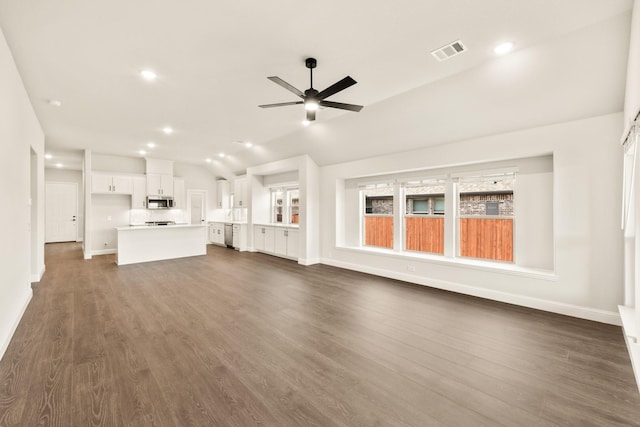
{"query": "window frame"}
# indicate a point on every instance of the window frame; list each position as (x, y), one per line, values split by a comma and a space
(286, 203)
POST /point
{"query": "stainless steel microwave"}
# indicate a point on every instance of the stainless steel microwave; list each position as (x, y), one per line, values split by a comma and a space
(159, 202)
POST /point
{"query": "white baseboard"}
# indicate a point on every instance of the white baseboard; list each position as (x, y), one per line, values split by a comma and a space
(102, 252)
(7, 340)
(572, 310)
(37, 277)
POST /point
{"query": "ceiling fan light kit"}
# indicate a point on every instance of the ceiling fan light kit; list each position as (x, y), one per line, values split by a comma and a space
(311, 98)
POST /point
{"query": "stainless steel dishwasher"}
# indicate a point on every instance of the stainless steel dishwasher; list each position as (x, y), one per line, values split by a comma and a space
(228, 235)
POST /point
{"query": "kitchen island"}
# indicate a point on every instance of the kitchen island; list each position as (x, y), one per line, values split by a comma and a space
(144, 243)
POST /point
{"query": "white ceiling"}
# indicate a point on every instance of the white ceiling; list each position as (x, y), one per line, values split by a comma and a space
(212, 59)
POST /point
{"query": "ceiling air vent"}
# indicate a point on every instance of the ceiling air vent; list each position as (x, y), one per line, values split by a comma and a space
(446, 52)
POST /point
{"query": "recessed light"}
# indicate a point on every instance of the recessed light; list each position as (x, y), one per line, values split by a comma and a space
(151, 144)
(248, 144)
(54, 103)
(503, 48)
(48, 156)
(59, 165)
(148, 75)
(208, 160)
(142, 152)
(306, 122)
(167, 130)
(221, 155)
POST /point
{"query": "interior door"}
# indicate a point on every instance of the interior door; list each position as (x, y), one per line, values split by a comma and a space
(61, 212)
(197, 206)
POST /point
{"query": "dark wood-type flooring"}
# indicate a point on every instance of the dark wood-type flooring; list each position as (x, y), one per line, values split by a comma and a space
(242, 339)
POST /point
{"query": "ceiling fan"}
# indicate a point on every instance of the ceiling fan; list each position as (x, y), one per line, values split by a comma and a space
(311, 98)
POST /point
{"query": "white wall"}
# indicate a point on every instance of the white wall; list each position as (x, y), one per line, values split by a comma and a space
(107, 212)
(20, 135)
(198, 178)
(632, 89)
(75, 176)
(588, 242)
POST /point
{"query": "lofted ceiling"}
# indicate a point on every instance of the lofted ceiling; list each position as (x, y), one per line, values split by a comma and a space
(212, 59)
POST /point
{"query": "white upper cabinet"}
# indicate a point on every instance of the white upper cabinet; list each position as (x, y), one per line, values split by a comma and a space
(240, 192)
(159, 177)
(222, 197)
(179, 199)
(139, 194)
(159, 184)
(107, 183)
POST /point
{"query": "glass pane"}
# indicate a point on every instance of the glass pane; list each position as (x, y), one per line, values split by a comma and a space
(487, 196)
(294, 206)
(486, 217)
(379, 200)
(423, 231)
(438, 205)
(420, 206)
(277, 203)
(378, 218)
(425, 197)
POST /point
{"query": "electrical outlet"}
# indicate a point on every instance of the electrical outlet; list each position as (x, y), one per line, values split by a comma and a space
(106, 243)
(411, 268)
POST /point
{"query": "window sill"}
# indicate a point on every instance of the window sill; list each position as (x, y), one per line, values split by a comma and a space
(494, 267)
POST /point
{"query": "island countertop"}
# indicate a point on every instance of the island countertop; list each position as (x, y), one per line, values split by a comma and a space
(153, 227)
(143, 243)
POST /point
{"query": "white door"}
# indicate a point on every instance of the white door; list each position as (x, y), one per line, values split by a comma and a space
(197, 206)
(61, 212)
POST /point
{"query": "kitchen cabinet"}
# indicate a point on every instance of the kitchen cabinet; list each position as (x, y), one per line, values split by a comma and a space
(286, 242)
(280, 241)
(106, 183)
(264, 239)
(179, 199)
(139, 193)
(222, 196)
(240, 237)
(216, 233)
(239, 193)
(258, 238)
(159, 184)
(292, 243)
(269, 240)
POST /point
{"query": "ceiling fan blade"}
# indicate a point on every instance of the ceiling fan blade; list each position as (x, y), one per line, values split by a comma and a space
(311, 115)
(287, 86)
(340, 105)
(336, 87)
(280, 104)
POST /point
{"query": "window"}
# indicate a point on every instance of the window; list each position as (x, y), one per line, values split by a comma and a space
(378, 215)
(285, 205)
(485, 216)
(465, 214)
(424, 216)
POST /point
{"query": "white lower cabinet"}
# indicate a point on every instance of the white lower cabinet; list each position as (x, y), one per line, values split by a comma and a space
(258, 238)
(216, 234)
(240, 237)
(280, 241)
(292, 243)
(269, 239)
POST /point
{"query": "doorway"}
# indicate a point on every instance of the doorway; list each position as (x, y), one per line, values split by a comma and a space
(197, 206)
(61, 212)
